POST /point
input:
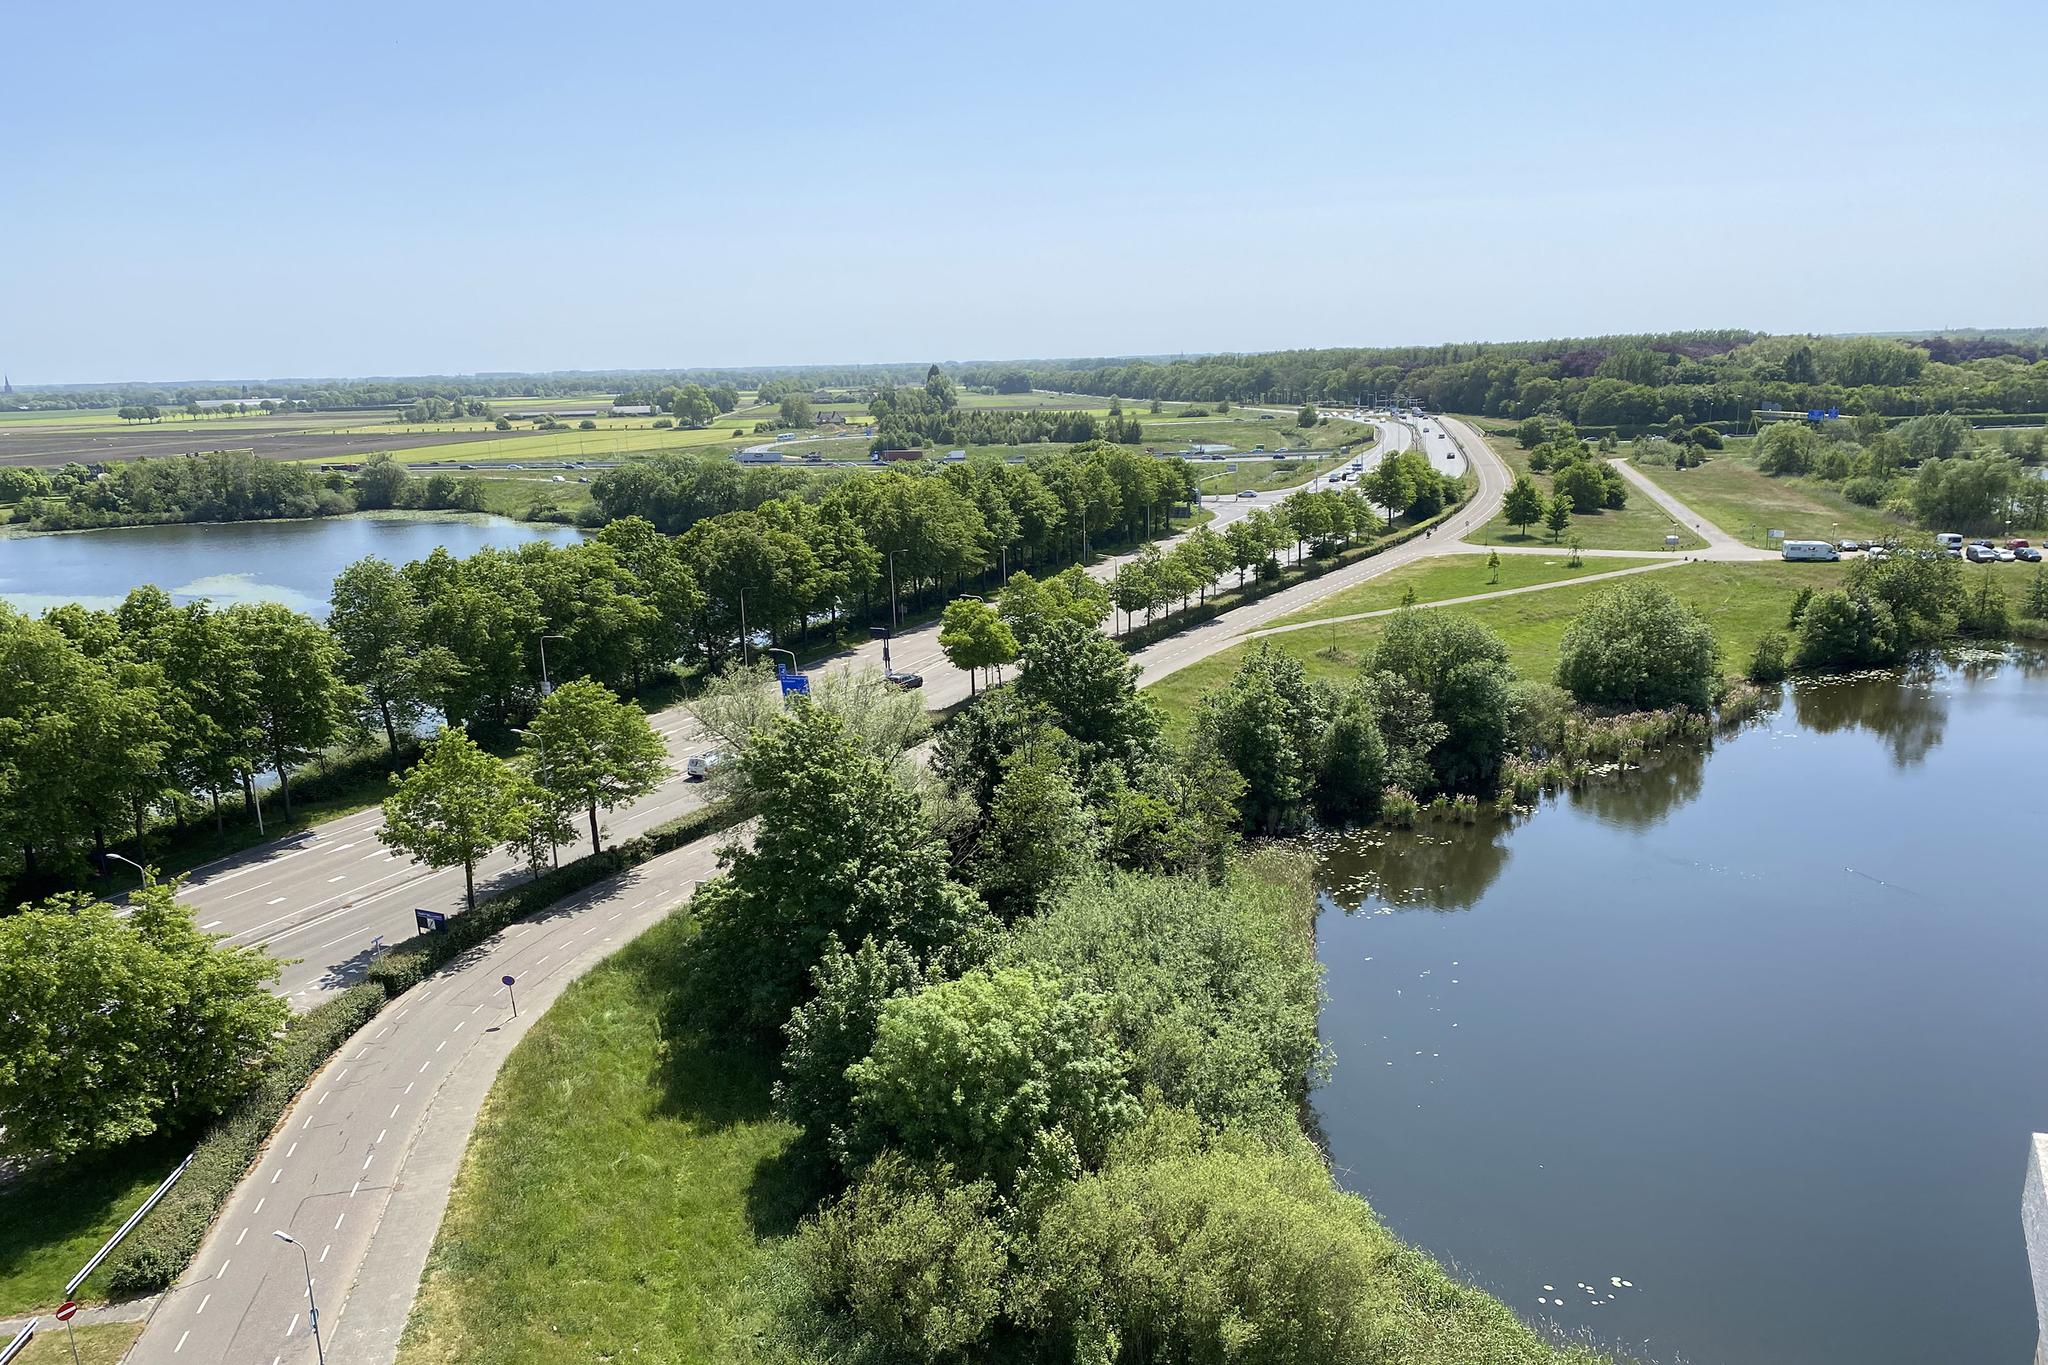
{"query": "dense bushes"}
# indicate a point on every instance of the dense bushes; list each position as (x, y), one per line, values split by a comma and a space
(1637, 646)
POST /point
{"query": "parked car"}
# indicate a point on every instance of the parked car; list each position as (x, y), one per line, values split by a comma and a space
(699, 766)
(2028, 554)
(1949, 540)
(2016, 543)
(2006, 556)
(909, 682)
(1980, 554)
(1849, 545)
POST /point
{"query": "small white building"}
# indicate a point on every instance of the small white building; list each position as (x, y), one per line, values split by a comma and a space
(633, 410)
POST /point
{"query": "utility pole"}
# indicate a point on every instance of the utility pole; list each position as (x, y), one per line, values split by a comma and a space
(746, 655)
(893, 620)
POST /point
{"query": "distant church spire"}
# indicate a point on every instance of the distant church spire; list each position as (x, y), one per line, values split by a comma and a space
(6, 386)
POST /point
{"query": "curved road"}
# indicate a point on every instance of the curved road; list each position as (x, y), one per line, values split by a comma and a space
(360, 1168)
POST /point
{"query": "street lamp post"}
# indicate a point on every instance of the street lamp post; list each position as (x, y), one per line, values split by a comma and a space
(123, 858)
(545, 686)
(312, 1308)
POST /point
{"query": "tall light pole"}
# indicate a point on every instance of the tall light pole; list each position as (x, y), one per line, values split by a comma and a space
(746, 657)
(892, 593)
(545, 686)
(123, 858)
(312, 1308)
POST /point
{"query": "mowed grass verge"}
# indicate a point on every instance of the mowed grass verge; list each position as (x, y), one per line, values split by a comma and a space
(1731, 492)
(621, 1192)
(1435, 580)
(53, 1219)
(1642, 525)
(104, 1344)
(1743, 603)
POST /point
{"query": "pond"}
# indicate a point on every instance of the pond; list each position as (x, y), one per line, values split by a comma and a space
(293, 562)
(1734, 1059)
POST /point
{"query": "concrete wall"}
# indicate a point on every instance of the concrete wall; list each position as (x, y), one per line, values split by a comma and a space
(2034, 1218)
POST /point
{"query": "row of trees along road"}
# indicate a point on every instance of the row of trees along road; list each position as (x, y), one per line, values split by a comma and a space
(585, 752)
(110, 717)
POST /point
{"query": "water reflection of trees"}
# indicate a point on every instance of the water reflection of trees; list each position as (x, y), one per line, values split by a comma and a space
(1440, 865)
(1905, 709)
(1642, 797)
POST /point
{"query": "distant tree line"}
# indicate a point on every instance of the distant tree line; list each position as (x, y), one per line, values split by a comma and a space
(1626, 381)
(222, 485)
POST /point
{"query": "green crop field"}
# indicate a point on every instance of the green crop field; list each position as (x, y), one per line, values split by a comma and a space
(1642, 525)
(1217, 480)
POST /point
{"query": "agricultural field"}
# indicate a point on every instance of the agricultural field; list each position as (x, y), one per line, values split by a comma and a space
(1642, 525)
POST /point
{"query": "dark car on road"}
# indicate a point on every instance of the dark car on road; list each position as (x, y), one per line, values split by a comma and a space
(909, 682)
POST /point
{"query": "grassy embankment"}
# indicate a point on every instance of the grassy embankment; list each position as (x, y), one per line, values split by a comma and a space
(1729, 491)
(1642, 525)
(106, 1344)
(1742, 602)
(625, 1195)
(621, 1193)
(53, 1219)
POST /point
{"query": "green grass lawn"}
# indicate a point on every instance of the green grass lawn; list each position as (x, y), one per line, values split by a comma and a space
(53, 1219)
(1642, 525)
(105, 1344)
(1216, 480)
(1729, 491)
(514, 496)
(1743, 602)
(1434, 580)
(621, 1191)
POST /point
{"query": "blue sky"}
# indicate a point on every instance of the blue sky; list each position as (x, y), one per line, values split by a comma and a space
(240, 190)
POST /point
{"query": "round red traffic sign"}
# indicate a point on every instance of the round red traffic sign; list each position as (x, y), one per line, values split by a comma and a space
(64, 1313)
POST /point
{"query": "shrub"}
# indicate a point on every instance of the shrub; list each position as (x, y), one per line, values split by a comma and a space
(1844, 631)
(917, 1261)
(1640, 647)
(1767, 665)
(1398, 808)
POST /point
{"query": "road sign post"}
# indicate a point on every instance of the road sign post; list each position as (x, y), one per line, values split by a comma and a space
(430, 921)
(64, 1314)
(509, 984)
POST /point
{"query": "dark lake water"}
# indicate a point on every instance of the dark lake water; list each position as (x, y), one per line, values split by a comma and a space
(1762, 1031)
(293, 562)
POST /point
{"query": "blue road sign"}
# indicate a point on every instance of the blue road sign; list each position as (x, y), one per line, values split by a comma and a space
(794, 682)
(430, 921)
(508, 980)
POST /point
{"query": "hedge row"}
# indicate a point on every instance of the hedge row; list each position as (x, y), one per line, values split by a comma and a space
(160, 1248)
(1290, 575)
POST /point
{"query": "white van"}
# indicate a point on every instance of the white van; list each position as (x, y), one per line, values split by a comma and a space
(1811, 549)
(1950, 541)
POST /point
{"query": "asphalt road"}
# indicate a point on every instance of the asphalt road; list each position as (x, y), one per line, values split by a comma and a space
(323, 901)
(360, 1169)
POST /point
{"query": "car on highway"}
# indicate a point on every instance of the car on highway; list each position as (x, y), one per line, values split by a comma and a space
(1249, 493)
(2028, 554)
(908, 682)
(699, 766)
(1980, 554)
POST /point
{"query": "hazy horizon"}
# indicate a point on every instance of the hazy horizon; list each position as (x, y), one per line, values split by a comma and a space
(455, 189)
